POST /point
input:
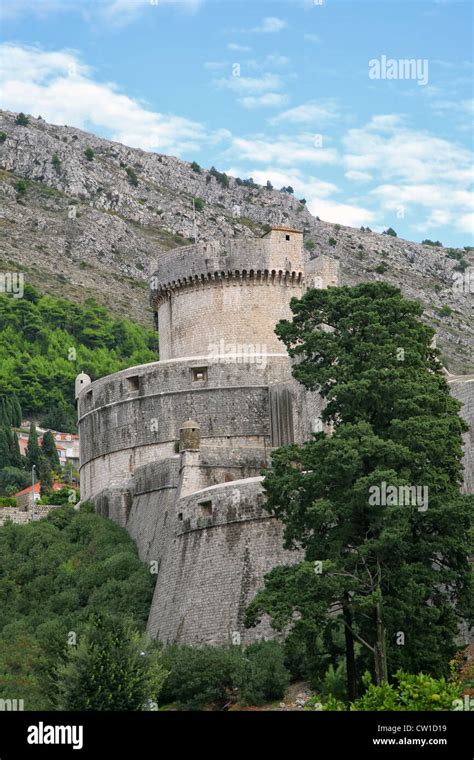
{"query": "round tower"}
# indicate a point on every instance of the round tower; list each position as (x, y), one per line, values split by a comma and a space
(210, 297)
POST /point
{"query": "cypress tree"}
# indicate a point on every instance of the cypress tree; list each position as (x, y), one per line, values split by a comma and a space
(4, 447)
(16, 460)
(16, 411)
(50, 451)
(33, 451)
(45, 476)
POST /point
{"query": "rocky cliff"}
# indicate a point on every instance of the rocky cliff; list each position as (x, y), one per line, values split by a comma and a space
(84, 216)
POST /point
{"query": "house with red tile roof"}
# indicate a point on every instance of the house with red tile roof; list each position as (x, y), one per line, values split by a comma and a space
(24, 497)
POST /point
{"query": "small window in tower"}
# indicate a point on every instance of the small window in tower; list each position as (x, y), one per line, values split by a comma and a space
(206, 508)
(89, 399)
(287, 237)
(180, 516)
(199, 374)
(133, 383)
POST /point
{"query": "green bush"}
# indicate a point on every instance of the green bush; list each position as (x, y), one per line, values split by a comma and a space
(56, 161)
(332, 241)
(198, 677)
(461, 266)
(89, 154)
(390, 232)
(132, 176)
(334, 683)
(445, 311)
(412, 692)
(22, 120)
(381, 268)
(217, 675)
(113, 667)
(195, 167)
(434, 243)
(21, 186)
(3, 137)
(220, 177)
(264, 676)
(199, 204)
(7, 501)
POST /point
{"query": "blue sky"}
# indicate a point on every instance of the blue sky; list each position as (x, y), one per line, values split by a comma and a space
(270, 89)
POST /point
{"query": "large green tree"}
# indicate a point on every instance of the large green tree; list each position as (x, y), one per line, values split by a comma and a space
(394, 571)
(113, 667)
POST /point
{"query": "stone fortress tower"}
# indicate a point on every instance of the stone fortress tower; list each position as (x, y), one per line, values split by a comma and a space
(174, 450)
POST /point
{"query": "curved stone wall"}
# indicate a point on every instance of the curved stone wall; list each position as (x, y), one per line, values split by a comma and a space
(235, 311)
(215, 564)
(133, 417)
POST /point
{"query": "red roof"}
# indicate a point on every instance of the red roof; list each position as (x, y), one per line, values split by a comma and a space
(56, 487)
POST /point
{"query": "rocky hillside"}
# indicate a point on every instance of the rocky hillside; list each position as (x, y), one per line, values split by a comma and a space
(83, 216)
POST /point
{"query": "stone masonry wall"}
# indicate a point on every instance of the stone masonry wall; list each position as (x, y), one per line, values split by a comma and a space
(215, 565)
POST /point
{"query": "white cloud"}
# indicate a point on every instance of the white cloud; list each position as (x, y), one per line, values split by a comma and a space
(61, 88)
(356, 176)
(316, 112)
(428, 177)
(317, 193)
(340, 213)
(277, 60)
(465, 223)
(283, 151)
(116, 11)
(396, 151)
(270, 25)
(250, 85)
(239, 48)
(312, 37)
(269, 99)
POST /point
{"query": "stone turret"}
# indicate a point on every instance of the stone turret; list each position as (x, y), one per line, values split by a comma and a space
(82, 380)
(190, 436)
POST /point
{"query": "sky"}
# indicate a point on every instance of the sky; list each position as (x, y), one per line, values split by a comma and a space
(364, 108)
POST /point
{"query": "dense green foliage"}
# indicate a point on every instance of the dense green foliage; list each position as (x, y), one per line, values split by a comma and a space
(264, 676)
(407, 693)
(398, 575)
(113, 667)
(218, 675)
(45, 342)
(55, 574)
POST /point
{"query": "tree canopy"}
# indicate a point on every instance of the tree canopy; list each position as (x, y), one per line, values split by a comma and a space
(393, 572)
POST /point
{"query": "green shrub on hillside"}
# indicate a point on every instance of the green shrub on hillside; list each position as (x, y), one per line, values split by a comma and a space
(264, 676)
(54, 575)
(218, 675)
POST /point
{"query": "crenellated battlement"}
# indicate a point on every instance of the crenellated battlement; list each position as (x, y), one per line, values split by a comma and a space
(277, 257)
(227, 278)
